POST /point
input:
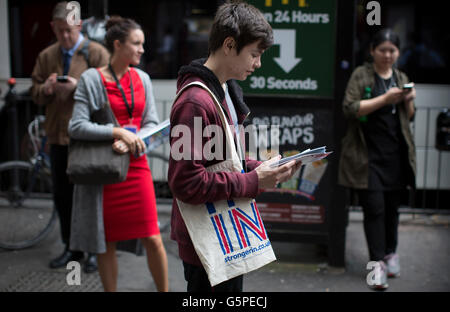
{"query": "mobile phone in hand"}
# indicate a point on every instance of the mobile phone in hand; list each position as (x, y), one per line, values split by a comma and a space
(62, 79)
(408, 86)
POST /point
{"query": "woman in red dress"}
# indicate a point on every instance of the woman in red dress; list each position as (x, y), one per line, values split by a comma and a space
(129, 207)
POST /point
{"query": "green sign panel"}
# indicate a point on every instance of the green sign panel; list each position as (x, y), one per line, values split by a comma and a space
(301, 61)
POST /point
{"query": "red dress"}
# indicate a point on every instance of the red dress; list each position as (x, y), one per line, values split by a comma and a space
(129, 207)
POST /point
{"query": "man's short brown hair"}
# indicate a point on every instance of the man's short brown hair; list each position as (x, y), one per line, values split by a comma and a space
(241, 21)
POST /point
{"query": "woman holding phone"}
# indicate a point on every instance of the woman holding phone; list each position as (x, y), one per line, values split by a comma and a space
(378, 153)
(127, 210)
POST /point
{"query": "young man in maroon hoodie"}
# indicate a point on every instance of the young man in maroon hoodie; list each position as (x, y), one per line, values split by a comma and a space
(238, 37)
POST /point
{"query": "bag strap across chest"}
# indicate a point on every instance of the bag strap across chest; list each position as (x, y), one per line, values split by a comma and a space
(226, 126)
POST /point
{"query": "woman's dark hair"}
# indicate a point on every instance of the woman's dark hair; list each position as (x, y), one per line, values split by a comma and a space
(241, 21)
(118, 28)
(383, 35)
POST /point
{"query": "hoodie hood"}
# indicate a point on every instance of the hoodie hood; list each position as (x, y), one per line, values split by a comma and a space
(196, 69)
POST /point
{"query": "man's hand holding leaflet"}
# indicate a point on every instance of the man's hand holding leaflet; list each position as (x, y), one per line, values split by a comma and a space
(269, 176)
(306, 156)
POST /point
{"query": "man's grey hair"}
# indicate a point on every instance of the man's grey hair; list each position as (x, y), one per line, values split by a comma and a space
(60, 11)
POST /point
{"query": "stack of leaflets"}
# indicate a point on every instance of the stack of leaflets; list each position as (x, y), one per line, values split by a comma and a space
(307, 156)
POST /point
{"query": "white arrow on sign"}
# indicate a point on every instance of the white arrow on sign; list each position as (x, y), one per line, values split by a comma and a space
(286, 39)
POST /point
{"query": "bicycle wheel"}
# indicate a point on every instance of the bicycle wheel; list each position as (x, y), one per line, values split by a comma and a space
(27, 213)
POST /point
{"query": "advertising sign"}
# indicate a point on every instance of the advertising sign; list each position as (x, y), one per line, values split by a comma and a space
(301, 199)
(301, 61)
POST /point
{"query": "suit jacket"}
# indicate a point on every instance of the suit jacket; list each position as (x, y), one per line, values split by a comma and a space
(59, 106)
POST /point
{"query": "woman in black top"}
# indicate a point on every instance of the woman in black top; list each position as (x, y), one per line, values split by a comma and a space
(383, 112)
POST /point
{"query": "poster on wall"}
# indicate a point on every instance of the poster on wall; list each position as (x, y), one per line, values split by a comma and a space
(301, 199)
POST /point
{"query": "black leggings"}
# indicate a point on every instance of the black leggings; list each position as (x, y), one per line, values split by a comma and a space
(380, 221)
(197, 281)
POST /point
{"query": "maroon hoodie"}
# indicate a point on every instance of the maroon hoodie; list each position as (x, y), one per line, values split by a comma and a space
(188, 179)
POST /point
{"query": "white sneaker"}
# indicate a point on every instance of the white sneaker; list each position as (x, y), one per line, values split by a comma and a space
(380, 274)
(393, 265)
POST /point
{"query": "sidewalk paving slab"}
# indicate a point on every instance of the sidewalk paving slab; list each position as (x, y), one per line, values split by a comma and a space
(423, 247)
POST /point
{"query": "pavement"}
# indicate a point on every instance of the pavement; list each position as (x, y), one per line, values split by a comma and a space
(424, 251)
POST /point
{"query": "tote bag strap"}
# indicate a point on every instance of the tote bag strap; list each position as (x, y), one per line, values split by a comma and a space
(228, 133)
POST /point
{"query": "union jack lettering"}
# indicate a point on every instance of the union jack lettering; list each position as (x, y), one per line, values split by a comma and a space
(239, 223)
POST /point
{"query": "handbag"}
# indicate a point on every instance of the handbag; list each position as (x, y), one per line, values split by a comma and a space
(95, 162)
(228, 235)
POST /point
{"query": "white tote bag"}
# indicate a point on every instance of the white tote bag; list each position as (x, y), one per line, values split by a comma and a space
(229, 235)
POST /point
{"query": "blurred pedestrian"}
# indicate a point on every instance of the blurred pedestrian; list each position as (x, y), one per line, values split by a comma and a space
(378, 153)
(94, 26)
(238, 38)
(55, 77)
(106, 214)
